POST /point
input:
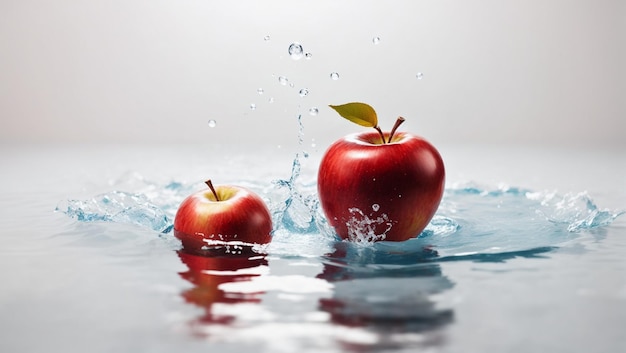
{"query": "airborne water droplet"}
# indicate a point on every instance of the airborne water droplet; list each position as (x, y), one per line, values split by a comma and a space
(296, 51)
(252, 106)
(376, 40)
(313, 111)
(260, 91)
(375, 207)
(304, 92)
(419, 75)
(212, 123)
(271, 100)
(308, 56)
(334, 76)
(283, 80)
(266, 38)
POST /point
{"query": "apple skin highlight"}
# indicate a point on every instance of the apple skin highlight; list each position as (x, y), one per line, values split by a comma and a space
(239, 215)
(393, 190)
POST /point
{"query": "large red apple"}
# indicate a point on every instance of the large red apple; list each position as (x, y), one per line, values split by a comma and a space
(377, 186)
(222, 214)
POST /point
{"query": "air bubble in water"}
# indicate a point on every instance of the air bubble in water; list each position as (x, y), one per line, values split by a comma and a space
(419, 75)
(252, 106)
(283, 80)
(260, 91)
(313, 111)
(375, 207)
(376, 40)
(296, 51)
(334, 76)
(308, 56)
(212, 123)
(304, 92)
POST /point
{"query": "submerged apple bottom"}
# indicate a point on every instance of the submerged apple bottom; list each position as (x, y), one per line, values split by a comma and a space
(242, 220)
(371, 191)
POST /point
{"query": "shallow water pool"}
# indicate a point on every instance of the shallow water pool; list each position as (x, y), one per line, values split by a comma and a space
(527, 253)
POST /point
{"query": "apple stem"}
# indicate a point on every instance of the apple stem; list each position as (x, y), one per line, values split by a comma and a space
(210, 184)
(399, 122)
(382, 136)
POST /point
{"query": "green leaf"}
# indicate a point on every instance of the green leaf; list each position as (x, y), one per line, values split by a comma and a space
(358, 113)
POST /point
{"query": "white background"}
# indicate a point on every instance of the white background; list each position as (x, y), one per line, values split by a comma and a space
(499, 72)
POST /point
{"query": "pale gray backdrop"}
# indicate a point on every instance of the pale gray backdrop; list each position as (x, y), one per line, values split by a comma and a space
(514, 72)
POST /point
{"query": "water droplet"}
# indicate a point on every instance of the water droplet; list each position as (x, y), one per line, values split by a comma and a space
(308, 56)
(296, 51)
(313, 111)
(334, 76)
(304, 92)
(375, 207)
(266, 38)
(212, 123)
(292, 85)
(376, 40)
(283, 80)
(252, 106)
(419, 75)
(271, 100)
(260, 91)
(313, 145)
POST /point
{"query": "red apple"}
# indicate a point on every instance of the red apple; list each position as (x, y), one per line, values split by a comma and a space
(220, 215)
(379, 186)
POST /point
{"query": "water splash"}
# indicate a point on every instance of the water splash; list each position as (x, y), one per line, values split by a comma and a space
(575, 210)
(471, 223)
(363, 228)
(119, 207)
(297, 212)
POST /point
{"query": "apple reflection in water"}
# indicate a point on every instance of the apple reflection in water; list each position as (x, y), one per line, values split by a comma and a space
(207, 271)
(386, 292)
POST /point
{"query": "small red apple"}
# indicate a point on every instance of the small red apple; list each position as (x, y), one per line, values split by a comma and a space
(222, 214)
(379, 186)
